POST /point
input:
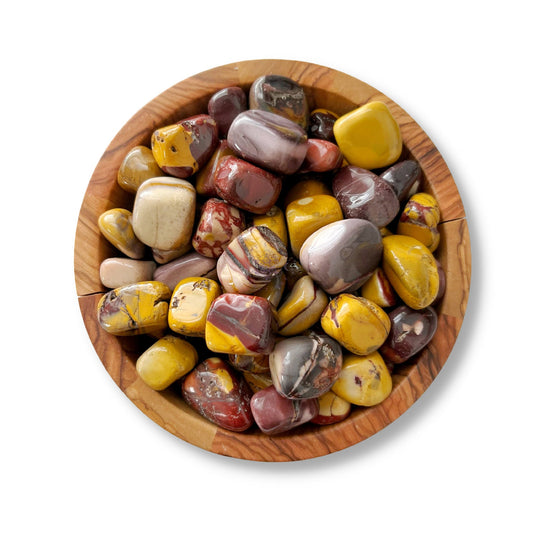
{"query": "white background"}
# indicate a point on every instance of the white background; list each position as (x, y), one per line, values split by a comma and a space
(76, 454)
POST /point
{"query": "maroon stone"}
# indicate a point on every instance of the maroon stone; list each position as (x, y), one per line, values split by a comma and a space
(225, 105)
(205, 177)
(404, 178)
(322, 156)
(321, 125)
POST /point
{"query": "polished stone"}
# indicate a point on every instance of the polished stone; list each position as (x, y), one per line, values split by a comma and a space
(116, 226)
(118, 271)
(225, 105)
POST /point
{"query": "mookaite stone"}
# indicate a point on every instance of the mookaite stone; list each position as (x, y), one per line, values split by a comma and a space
(274, 289)
(321, 156)
(331, 409)
(321, 124)
(163, 213)
(138, 166)
(224, 106)
(274, 219)
(255, 364)
(118, 271)
(404, 177)
(309, 186)
(378, 289)
(116, 226)
(205, 177)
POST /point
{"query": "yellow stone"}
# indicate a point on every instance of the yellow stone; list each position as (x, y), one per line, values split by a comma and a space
(305, 188)
(369, 136)
(309, 214)
(189, 305)
(256, 381)
(411, 269)
(364, 380)
(275, 220)
(378, 289)
(358, 324)
(171, 147)
(138, 166)
(166, 361)
(273, 291)
(115, 225)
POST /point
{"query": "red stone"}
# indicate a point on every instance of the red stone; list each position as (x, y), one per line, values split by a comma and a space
(322, 156)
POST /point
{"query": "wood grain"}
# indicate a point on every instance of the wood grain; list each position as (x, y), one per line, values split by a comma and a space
(326, 88)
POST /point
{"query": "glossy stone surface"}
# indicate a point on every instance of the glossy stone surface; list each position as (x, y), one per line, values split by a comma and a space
(165, 256)
(293, 272)
(257, 381)
(118, 271)
(205, 177)
(321, 124)
(364, 380)
(305, 366)
(183, 148)
(410, 332)
(341, 256)
(134, 309)
(411, 269)
(378, 289)
(331, 409)
(404, 177)
(307, 187)
(240, 324)
(420, 219)
(274, 219)
(358, 324)
(274, 289)
(225, 105)
(251, 260)
(138, 166)
(268, 140)
(363, 194)
(247, 186)
(163, 213)
(369, 136)
(302, 307)
(189, 305)
(307, 215)
(219, 224)
(215, 391)
(276, 414)
(321, 156)
(255, 364)
(280, 95)
(166, 361)
(116, 226)
(189, 265)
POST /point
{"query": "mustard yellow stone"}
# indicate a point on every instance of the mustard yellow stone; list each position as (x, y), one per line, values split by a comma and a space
(138, 166)
(309, 214)
(115, 225)
(378, 289)
(420, 219)
(171, 147)
(167, 360)
(305, 188)
(189, 305)
(256, 381)
(369, 136)
(302, 308)
(273, 291)
(358, 324)
(134, 309)
(411, 269)
(364, 380)
(275, 220)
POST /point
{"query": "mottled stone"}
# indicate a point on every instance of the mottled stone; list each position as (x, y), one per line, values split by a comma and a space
(274, 289)
(280, 95)
(215, 391)
(274, 219)
(118, 271)
(305, 366)
(363, 194)
(165, 256)
(163, 213)
(255, 364)
(275, 414)
(321, 124)
(331, 409)
(219, 224)
(205, 177)
(321, 156)
(378, 289)
(293, 272)
(116, 226)
(268, 140)
(183, 148)
(257, 381)
(247, 186)
(240, 324)
(404, 177)
(309, 186)
(138, 166)
(341, 256)
(225, 105)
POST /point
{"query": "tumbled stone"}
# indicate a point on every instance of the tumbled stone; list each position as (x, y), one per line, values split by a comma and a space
(369, 136)
(215, 391)
(404, 177)
(219, 224)
(116, 226)
(275, 414)
(118, 271)
(378, 289)
(224, 106)
(138, 166)
(280, 95)
(274, 219)
(240, 324)
(411, 269)
(255, 364)
(309, 186)
(183, 148)
(321, 124)
(165, 256)
(189, 305)
(293, 272)
(251, 260)
(331, 409)
(247, 186)
(163, 213)
(134, 309)
(321, 156)
(205, 177)
(268, 140)
(363, 380)
(257, 381)
(411, 331)
(363, 194)
(356, 323)
(166, 361)
(341, 256)
(307, 215)
(274, 289)
(305, 366)
(302, 307)
(190, 265)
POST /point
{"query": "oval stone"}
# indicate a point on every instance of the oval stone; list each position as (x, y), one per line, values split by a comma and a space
(321, 123)
(341, 256)
(331, 409)
(117, 227)
(118, 271)
(403, 177)
(224, 106)
(138, 166)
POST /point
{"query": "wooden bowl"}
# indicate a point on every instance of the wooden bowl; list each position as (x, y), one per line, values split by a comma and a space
(325, 88)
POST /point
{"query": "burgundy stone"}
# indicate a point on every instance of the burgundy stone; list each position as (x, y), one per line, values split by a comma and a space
(322, 156)
(321, 125)
(224, 106)
(404, 178)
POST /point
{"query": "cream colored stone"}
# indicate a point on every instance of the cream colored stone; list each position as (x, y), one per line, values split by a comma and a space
(118, 271)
